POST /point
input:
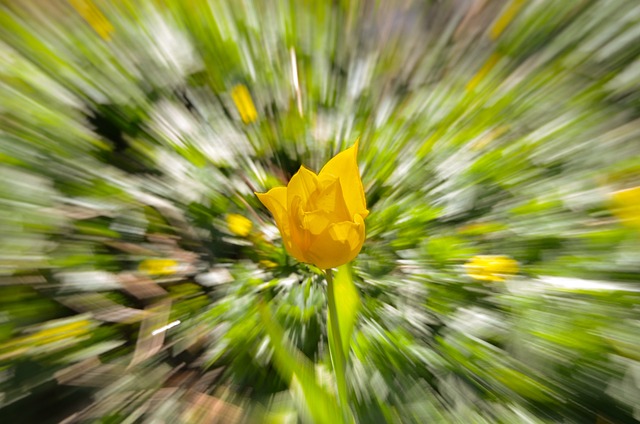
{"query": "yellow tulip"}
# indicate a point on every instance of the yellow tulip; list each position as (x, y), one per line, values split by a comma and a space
(321, 217)
(491, 267)
(239, 225)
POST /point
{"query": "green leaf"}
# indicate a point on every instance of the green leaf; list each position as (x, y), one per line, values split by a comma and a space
(299, 372)
(348, 305)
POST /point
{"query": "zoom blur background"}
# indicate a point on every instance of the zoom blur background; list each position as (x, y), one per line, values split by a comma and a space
(500, 153)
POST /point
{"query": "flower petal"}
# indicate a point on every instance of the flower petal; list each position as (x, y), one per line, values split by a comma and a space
(357, 240)
(345, 167)
(276, 201)
(303, 184)
(327, 253)
(298, 238)
(316, 222)
(338, 244)
(330, 199)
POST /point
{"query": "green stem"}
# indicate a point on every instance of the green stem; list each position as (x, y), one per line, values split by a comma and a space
(335, 346)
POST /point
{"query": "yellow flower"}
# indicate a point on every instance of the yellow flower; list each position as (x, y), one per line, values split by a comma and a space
(321, 217)
(244, 103)
(491, 62)
(158, 266)
(626, 206)
(268, 264)
(505, 18)
(491, 267)
(90, 12)
(239, 225)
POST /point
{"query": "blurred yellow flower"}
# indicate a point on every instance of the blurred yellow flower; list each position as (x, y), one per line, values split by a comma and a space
(94, 17)
(321, 217)
(268, 264)
(242, 98)
(626, 206)
(239, 225)
(50, 336)
(491, 267)
(491, 62)
(505, 18)
(158, 266)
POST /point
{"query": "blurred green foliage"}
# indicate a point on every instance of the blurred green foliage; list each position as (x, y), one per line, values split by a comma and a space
(486, 128)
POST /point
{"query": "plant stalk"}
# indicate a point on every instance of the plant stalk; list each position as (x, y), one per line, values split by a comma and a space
(335, 348)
